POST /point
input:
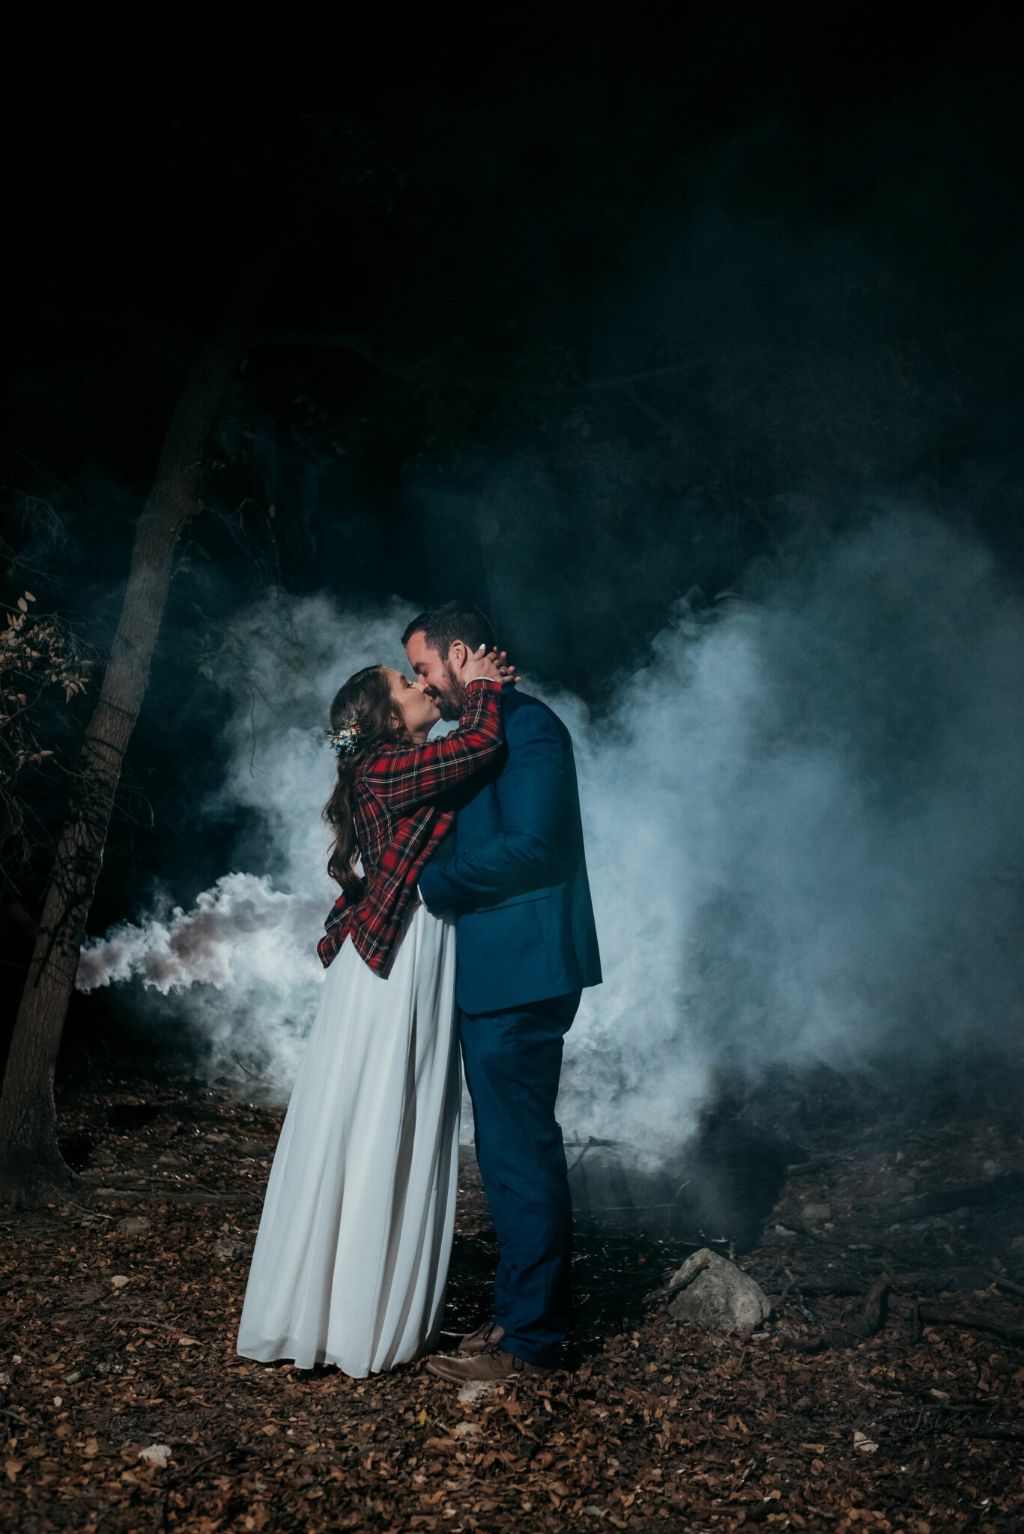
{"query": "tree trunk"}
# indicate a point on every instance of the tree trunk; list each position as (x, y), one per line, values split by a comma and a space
(32, 1169)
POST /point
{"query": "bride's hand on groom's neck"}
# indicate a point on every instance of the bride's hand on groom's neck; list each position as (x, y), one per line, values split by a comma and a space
(492, 664)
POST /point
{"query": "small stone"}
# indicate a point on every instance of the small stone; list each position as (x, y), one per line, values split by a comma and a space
(475, 1390)
(134, 1224)
(119, 1280)
(716, 1295)
(465, 1430)
(156, 1454)
(814, 1214)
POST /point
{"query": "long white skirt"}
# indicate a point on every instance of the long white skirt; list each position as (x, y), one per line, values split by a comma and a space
(352, 1251)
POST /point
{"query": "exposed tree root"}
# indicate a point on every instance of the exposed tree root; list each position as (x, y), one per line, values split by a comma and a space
(870, 1321)
(29, 1183)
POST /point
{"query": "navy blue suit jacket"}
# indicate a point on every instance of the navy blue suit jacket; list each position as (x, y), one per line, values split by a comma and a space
(514, 873)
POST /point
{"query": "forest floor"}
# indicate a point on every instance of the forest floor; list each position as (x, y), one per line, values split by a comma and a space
(124, 1406)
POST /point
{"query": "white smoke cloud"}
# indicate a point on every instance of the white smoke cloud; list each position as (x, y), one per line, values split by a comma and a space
(242, 965)
(803, 821)
(805, 825)
(240, 927)
(241, 953)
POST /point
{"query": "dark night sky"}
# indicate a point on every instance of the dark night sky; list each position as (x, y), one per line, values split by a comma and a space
(805, 234)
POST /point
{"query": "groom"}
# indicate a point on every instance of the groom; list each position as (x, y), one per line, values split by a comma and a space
(514, 874)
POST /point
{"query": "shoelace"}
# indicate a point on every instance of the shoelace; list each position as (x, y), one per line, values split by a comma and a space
(516, 1362)
(484, 1333)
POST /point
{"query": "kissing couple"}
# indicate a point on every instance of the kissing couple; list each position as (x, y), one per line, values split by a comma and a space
(470, 925)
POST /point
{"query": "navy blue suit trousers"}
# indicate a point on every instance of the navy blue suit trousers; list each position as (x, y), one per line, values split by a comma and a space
(512, 1061)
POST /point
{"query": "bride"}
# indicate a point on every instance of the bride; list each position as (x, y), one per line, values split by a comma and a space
(355, 1235)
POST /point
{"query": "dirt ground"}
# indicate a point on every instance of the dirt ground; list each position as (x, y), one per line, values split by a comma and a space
(124, 1405)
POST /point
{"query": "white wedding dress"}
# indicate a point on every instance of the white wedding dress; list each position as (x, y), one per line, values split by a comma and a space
(354, 1240)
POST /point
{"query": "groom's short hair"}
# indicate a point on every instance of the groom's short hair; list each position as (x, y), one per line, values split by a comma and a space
(441, 626)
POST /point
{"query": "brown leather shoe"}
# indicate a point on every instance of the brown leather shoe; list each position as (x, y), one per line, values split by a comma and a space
(492, 1364)
(485, 1336)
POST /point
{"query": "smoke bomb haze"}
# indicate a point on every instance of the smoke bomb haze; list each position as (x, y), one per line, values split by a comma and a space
(803, 823)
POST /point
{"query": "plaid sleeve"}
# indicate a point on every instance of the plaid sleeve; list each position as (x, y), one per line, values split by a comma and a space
(405, 776)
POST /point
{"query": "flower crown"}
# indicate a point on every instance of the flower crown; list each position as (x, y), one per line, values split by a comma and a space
(345, 739)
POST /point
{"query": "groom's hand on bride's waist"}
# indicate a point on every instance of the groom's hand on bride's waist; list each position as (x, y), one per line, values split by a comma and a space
(435, 910)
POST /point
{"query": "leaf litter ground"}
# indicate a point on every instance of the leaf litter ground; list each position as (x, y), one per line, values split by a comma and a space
(124, 1406)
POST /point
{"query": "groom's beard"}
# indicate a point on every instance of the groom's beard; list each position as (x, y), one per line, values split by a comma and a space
(451, 698)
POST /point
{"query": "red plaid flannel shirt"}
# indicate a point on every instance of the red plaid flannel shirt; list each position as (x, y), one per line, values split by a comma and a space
(399, 820)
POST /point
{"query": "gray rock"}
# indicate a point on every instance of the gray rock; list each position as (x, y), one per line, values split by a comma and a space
(713, 1293)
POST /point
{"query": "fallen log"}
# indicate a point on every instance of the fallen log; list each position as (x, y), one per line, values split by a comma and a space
(158, 1196)
(926, 1281)
(970, 1321)
(945, 1199)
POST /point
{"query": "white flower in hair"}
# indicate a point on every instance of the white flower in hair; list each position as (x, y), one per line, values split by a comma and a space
(344, 740)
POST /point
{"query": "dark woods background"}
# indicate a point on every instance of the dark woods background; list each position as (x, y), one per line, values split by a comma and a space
(571, 313)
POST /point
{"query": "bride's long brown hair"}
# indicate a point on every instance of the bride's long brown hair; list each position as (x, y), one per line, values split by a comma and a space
(364, 699)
